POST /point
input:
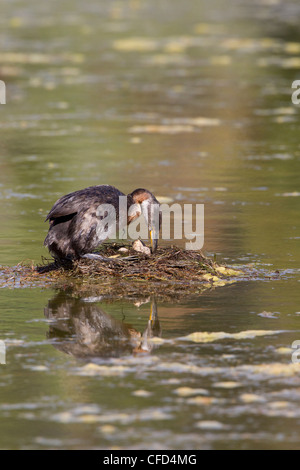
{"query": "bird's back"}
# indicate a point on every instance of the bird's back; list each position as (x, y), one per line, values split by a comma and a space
(81, 200)
(74, 221)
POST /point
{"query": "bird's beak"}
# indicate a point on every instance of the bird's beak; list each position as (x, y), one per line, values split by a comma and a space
(153, 239)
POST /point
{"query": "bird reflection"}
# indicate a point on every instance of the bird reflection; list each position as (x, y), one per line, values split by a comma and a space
(81, 328)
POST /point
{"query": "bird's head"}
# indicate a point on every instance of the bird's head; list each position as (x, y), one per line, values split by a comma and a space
(147, 204)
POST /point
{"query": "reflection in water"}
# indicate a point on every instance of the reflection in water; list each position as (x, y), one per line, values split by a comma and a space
(81, 328)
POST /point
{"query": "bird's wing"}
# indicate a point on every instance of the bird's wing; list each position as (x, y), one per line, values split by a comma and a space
(66, 205)
(84, 199)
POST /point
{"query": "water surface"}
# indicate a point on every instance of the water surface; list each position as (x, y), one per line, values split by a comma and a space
(193, 103)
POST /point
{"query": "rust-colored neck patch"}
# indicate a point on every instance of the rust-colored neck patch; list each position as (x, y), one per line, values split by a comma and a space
(140, 195)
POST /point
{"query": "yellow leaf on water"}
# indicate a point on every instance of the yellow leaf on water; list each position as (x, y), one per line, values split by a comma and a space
(292, 47)
(175, 47)
(165, 59)
(199, 400)
(39, 368)
(39, 58)
(278, 404)
(207, 337)
(227, 384)
(16, 22)
(107, 429)
(141, 393)
(228, 271)
(219, 283)
(286, 111)
(207, 277)
(284, 351)
(89, 418)
(291, 63)
(293, 194)
(275, 369)
(161, 129)
(95, 369)
(135, 140)
(199, 121)
(188, 391)
(251, 398)
(221, 60)
(138, 44)
(208, 28)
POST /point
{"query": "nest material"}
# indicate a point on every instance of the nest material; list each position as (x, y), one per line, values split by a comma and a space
(171, 273)
(171, 269)
(167, 264)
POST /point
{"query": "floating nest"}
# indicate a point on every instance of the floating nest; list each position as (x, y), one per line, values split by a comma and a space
(171, 270)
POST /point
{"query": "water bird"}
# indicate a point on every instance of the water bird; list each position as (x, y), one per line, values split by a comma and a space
(75, 224)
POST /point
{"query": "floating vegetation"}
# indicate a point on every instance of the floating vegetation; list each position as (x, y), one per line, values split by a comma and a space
(40, 58)
(175, 126)
(291, 194)
(205, 337)
(127, 271)
(161, 129)
(175, 268)
(135, 44)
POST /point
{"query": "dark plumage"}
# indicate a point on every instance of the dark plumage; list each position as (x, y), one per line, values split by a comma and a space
(75, 224)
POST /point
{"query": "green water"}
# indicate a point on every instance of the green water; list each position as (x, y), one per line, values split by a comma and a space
(113, 92)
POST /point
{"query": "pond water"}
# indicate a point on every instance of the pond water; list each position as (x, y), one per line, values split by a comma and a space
(193, 102)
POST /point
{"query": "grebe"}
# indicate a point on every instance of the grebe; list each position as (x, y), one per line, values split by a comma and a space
(76, 227)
